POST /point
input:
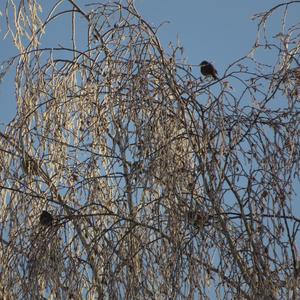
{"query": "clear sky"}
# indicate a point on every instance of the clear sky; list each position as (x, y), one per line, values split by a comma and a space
(220, 31)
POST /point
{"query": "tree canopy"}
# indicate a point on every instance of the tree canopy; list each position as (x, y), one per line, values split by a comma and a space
(127, 175)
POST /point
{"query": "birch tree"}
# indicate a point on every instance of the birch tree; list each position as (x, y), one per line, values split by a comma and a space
(125, 174)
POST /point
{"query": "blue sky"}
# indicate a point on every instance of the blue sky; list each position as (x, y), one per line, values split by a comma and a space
(219, 31)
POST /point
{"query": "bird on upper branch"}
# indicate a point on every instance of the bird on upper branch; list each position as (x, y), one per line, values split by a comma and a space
(207, 69)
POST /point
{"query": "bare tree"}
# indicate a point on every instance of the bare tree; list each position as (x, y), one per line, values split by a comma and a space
(125, 175)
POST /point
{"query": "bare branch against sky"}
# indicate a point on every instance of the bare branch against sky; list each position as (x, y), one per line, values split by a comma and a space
(125, 174)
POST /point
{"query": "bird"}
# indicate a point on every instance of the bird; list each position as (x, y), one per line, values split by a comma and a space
(46, 219)
(198, 218)
(207, 69)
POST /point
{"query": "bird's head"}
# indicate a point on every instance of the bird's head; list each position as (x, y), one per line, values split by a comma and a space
(203, 63)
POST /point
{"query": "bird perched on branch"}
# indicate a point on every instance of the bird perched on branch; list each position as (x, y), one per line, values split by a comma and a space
(46, 218)
(198, 218)
(207, 69)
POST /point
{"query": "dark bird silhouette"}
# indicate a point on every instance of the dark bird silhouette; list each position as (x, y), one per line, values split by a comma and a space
(46, 218)
(207, 69)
